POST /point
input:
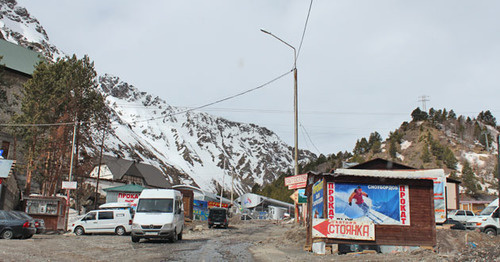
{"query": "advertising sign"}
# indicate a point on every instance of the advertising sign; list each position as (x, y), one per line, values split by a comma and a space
(343, 229)
(331, 200)
(294, 182)
(317, 194)
(128, 198)
(200, 210)
(217, 204)
(382, 204)
(439, 198)
(302, 196)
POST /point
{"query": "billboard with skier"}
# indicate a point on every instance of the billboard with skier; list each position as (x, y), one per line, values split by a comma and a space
(382, 204)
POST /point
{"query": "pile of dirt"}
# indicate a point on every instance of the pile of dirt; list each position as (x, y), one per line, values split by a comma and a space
(465, 245)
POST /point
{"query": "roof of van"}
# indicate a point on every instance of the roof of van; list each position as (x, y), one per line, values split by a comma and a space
(159, 193)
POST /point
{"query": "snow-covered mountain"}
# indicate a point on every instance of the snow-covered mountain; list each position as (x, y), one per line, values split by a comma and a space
(190, 147)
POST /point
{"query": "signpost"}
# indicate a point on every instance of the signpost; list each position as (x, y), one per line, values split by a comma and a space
(296, 182)
(69, 185)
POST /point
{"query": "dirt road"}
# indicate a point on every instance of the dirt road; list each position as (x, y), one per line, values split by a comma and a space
(242, 241)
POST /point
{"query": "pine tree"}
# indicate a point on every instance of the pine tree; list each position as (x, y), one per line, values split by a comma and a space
(418, 115)
(60, 92)
(469, 180)
(487, 118)
(426, 155)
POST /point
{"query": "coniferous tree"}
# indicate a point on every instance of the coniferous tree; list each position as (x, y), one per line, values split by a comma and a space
(419, 115)
(469, 180)
(487, 118)
(60, 92)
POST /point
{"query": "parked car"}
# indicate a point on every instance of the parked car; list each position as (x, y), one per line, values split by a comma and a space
(103, 221)
(461, 215)
(159, 215)
(218, 217)
(14, 226)
(39, 223)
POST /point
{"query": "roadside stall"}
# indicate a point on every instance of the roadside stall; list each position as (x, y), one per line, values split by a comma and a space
(51, 209)
(374, 207)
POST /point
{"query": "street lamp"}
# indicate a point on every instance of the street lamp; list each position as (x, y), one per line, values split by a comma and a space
(295, 99)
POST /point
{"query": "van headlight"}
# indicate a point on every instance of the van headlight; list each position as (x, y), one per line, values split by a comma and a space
(167, 226)
(136, 226)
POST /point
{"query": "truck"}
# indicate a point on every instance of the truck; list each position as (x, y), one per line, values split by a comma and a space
(487, 221)
(159, 215)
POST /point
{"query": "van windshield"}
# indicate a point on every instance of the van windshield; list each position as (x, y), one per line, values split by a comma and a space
(155, 205)
(488, 210)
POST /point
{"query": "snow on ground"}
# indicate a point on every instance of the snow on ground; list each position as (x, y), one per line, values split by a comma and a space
(405, 145)
(398, 155)
(475, 159)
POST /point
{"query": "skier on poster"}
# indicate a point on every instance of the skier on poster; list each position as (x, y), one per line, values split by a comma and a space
(358, 195)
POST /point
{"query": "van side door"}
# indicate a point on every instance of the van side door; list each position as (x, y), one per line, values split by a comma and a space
(105, 222)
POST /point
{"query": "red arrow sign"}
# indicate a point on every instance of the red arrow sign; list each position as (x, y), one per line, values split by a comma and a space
(322, 227)
(343, 229)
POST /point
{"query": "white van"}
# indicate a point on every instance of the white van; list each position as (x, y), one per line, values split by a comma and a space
(159, 215)
(104, 221)
(487, 221)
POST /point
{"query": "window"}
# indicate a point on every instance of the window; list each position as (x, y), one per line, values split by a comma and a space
(155, 205)
(460, 213)
(90, 216)
(105, 215)
(469, 213)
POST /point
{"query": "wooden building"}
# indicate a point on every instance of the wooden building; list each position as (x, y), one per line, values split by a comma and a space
(403, 215)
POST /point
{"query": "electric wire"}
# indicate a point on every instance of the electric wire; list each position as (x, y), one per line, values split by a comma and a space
(307, 134)
(305, 27)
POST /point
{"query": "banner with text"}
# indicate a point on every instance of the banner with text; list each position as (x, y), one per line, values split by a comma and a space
(343, 229)
(382, 204)
(317, 194)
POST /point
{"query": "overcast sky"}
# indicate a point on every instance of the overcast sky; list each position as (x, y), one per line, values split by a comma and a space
(362, 66)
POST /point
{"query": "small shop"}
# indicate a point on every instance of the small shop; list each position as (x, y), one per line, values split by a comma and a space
(124, 194)
(371, 207)
(51, 209)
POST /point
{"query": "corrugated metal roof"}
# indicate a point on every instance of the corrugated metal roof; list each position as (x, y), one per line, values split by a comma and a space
(18, 58)
(132, 188)
(399, 174)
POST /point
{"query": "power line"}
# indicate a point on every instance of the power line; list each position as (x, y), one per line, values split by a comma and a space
(305, 27)
(155, 118)
(305, 131)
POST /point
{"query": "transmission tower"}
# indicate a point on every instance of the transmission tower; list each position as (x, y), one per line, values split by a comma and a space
(423, 99)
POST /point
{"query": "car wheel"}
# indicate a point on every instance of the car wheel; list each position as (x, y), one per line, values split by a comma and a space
(490, 231)
(179, 237)
(135, 239)
(7, 234)
(209, 226)
(175, 237)
(120, 231)
(79, 231)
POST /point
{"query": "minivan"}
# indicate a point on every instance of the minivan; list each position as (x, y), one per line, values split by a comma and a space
(487, 221)
(118, 221)
(159, 215)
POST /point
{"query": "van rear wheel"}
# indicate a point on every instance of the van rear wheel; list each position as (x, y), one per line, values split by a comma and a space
(120, 231)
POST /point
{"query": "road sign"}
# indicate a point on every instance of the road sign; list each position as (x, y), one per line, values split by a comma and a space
(69, 184)
(343, 229)
(294, 182)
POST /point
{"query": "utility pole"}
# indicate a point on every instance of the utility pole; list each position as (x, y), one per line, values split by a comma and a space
(70, 174)
(498, 172)
(423, 99)
(99, 170)
(486, 139)
(223, 176)
(295, 101)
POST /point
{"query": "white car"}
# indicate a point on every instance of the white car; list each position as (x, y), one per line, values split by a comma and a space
(118, 221)
(461, 215)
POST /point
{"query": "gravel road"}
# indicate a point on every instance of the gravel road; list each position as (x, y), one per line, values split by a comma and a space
(242, 241)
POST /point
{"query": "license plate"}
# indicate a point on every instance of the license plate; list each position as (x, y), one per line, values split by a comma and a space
(151, 233)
